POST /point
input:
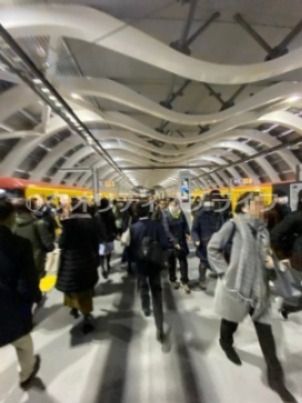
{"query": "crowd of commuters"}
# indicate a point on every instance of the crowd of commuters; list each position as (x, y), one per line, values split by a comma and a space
(241, 248)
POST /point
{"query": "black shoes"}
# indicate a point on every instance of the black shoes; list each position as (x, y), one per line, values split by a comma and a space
(147, 312)
(75, 313)
(26, 384)
(284, 314)
(88, 326)
(231, 353)
(105, 274)
(160, 336)
(276, 383)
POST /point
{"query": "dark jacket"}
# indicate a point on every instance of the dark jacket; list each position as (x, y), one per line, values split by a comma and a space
(276, 214)
(205, 224)
(146, 227)
(107, 227)
(286, 239)
(79, 254)
(19, 287)
(36, 231)
(176, 230)
(48, 215)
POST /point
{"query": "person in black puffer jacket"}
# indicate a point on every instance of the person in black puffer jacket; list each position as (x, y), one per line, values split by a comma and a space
(18, 291)
(78, 274)
(107, 234)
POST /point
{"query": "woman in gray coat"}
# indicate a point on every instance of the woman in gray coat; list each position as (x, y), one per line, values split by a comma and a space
(243, 285)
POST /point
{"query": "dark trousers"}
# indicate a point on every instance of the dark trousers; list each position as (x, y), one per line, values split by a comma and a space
(173, 255)
(203, 257)
(266, 340)
(151, 281)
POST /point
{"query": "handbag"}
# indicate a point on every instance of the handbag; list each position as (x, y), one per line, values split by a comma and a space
(126, 237)
(285, 284)
(53, 261)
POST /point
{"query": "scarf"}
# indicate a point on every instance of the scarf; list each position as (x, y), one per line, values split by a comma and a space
(175, 214)
(250, 284)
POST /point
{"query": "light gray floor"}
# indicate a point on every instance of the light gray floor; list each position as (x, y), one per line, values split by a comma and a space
(122, 362)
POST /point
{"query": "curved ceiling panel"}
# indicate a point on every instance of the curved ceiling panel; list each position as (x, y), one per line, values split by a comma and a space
(113, 91)
(99, 28)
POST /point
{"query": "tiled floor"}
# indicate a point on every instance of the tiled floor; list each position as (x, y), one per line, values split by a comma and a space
(122, 362)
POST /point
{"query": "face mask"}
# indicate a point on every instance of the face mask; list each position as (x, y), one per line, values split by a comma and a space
(208, 204)
(283, 200)
(174, 210)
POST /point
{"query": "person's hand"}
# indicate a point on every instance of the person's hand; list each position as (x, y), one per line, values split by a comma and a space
(197, 243)
(177, 246)
(269, 262)
(188, 237)
(285, 264)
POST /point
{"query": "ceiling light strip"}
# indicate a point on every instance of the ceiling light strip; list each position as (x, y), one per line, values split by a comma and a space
(21, 64)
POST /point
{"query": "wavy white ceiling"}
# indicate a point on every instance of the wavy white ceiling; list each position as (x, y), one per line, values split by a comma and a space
(129, 122)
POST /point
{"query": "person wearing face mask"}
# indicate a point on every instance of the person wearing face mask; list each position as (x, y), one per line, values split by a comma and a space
(279, 210)
(244, 285)
(177, 231)
(205, 224)
(19, 290)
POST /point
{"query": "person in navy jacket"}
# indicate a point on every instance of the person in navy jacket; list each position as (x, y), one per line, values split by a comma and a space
(149, 275)
(205, 224)
(177, 230)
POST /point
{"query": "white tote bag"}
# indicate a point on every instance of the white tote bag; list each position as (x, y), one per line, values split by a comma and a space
(126, 237)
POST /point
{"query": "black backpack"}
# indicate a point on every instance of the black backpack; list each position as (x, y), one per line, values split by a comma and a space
(150, 251)
(227, 250)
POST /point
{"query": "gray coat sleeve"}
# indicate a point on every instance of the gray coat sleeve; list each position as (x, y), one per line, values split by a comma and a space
(216, 247)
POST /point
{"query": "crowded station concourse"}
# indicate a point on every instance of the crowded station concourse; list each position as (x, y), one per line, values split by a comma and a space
(150, 201)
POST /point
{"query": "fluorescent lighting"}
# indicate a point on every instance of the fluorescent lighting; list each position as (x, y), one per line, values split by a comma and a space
(58, 105)
(45, 90)
(293, 99)
(37, 81)
(52, 97)
(75, 96)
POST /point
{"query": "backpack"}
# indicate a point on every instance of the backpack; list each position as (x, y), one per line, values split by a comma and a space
(227, 250)
(150, 251)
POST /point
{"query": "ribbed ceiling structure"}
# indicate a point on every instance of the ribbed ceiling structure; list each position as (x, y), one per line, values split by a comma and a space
(162, 85)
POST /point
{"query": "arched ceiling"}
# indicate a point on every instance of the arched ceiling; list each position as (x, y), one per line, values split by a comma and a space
(148, 104)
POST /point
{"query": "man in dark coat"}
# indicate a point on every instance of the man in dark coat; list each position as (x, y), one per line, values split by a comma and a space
(286, 240)
(177, 231)
(18, 291)
(149, 274)
(205, 224)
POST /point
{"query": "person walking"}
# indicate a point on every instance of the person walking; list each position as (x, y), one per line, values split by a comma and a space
(18, 292)
(243, 288)
(286, 240)
(177, 231)
(108, 233)
(78, 275)
(148, 241)
(36, 231)
(205, 224)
